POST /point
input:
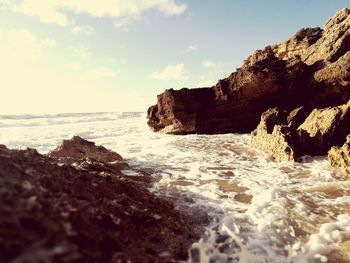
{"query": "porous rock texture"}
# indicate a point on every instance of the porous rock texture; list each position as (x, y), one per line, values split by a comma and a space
(311, 69)
(79, 207)
(275, 137)
(324, 128)
(287, 136)
(340, 157)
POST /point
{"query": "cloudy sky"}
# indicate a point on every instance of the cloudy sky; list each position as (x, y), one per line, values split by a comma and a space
(117, 55)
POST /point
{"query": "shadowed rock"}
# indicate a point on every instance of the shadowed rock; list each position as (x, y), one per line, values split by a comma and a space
(57, 212)
(77, 148)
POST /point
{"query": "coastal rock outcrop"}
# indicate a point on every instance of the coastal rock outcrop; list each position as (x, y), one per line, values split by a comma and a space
(340, 156)
(275, 137)
(77, 148)
(54, 209)
(311, 69)
(324, 128)
(287, 136)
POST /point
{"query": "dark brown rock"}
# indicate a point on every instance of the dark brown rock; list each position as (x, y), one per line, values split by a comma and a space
(180, 111)
(86, 155)
(77, 148)
(56, 212)
(340, 156)
(311, 69)
(234, 104)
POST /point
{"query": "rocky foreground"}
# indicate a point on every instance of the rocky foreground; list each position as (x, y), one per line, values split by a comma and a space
(75, 205)
(298, 90)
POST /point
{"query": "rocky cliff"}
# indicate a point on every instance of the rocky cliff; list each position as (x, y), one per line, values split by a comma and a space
(311, 69)
(299, 90)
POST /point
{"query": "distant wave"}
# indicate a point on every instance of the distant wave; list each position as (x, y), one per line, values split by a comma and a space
(31, 120)
(47, 116)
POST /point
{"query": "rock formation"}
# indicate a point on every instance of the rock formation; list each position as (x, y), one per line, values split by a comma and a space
(76, 206)
(311, 69)
(340, 156)
(287, 136)
(324, 128)
(275, 137)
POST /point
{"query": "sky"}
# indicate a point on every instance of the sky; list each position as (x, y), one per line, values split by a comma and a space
(116, 55)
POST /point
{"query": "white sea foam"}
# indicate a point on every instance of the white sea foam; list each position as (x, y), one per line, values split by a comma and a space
(258, 210)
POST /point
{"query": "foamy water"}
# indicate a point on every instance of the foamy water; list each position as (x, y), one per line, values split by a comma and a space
(255, 210)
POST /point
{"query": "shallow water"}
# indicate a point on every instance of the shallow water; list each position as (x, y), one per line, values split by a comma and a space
(255, 210)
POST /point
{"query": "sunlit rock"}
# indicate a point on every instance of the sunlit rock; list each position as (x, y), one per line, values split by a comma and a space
(311, 69)
(340, 156)
(275, 137)
(324, 128)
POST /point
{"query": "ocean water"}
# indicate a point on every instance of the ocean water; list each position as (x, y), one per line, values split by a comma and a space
(254, 210)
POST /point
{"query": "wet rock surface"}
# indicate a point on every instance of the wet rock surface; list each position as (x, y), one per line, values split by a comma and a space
(311, 69)
(79, 207)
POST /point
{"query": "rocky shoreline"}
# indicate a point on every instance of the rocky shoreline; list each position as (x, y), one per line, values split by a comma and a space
(76, 205)
(299, 90)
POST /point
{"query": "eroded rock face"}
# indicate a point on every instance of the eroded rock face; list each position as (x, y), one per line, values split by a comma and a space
(340, 156)
(181, 111)
(311, 69)
(52, 211)
(287, 136)
(324, 128)
(234, 104)
(335, 40)
(274, 137)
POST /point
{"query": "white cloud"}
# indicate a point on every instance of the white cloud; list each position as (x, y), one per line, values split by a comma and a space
(71, 66)
(210, 63)
(175, 72)
(22, 41)
(123, 24)
(99, 73)
(56, 11)
(43, 85)
(191, 48)
(80, 51)
(86, 30)
(49, 43)
(205, 82)
(46, 11)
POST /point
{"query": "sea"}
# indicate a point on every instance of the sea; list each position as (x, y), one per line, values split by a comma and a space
(252, 208)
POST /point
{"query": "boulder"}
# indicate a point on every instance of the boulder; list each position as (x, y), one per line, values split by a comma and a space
(274, 137)
(286, 136)
(311, 69)
(325, 128)
(181, 111)
(78, 148)
(339, 157)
